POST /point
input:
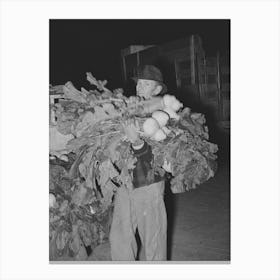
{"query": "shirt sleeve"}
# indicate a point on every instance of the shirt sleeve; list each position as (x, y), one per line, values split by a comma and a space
(142, 151)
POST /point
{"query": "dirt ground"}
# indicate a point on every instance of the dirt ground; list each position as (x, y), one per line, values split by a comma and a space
(198, 220)
(200, 227)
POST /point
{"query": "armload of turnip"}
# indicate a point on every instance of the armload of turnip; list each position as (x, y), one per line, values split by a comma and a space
(90, 158)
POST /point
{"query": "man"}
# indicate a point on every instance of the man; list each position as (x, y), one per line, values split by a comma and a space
(143, 207)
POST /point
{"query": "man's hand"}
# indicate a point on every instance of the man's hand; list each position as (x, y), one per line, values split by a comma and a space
(131, 130)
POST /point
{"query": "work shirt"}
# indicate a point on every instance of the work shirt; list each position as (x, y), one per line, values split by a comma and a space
(143, 173)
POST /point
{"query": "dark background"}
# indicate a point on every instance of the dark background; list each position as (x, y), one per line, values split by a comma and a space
(80, 46)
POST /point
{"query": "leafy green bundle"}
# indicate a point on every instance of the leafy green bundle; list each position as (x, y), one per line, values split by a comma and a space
(98, 159)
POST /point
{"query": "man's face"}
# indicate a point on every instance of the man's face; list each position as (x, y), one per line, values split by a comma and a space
(147, 88)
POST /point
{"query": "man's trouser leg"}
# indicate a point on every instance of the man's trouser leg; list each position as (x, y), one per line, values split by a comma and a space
(148, 204)
(122, 237)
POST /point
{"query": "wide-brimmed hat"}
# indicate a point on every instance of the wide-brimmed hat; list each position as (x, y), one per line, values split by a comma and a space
(150, 72)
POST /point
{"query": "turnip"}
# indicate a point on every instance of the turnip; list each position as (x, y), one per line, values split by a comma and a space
(171, 113)
(161, 117)
(172, 102)
(150, 127)
(176, 105)
(159, 135)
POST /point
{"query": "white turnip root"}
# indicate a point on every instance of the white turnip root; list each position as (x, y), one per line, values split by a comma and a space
(161, 117)
(171, 113)
(150, 127)
(172, 102)
(159, 135)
